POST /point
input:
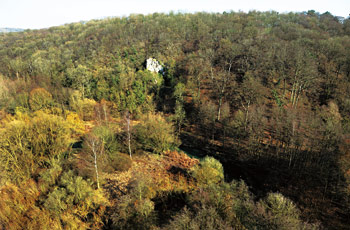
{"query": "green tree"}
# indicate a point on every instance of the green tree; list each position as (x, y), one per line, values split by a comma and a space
(81, 79)
(210, 171)
(155, 134)
(280, 213)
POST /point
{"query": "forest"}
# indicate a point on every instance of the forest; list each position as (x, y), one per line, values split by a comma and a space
(246, 125)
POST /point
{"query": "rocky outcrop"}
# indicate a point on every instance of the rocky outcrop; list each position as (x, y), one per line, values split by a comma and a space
(153, 65)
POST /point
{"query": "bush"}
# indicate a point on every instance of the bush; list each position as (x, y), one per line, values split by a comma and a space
(39, 98)
(136, 209)
(278, 212)
(73, 201)
(83, 106)
(214, 207)
(155, 134)
(210, 171)
(107, 135)
(204, 218)
(120, 162)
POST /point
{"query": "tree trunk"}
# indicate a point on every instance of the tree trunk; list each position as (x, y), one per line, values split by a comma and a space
(95, 163)
(223, 140)
(219, 108)
(246, 118)
(105, 112)
(129, 134)
(199, 89)
(292, 94)
(246, 108)
(298, 95)
(83, 91)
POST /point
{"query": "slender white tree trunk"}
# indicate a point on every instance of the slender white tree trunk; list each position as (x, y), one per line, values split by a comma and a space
(95, 163)
(105, 112)
(96, 148)
(129, 134)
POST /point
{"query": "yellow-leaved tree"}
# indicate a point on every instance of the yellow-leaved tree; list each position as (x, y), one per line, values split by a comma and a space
(39, 98)
(27, 143)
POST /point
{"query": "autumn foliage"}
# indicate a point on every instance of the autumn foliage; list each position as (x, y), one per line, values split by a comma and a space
(91, 139)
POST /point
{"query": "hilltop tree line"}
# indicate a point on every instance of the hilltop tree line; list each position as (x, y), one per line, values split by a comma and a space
(267, 94)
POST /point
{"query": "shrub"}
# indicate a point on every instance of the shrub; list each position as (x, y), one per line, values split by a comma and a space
(210, 171)
(39, 98)
(136, 209)
(120, 162)
(155, 134)
(83, 106)
(74, 202)
(278, 212)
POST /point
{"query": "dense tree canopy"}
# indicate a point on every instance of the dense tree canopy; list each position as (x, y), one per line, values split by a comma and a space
(86, 129)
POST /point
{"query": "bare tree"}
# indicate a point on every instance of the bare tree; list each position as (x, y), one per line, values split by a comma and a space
(221, 81)
(94, 149)
(127, 118)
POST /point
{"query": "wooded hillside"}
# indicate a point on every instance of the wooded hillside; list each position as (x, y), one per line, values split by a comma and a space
(91, 139)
